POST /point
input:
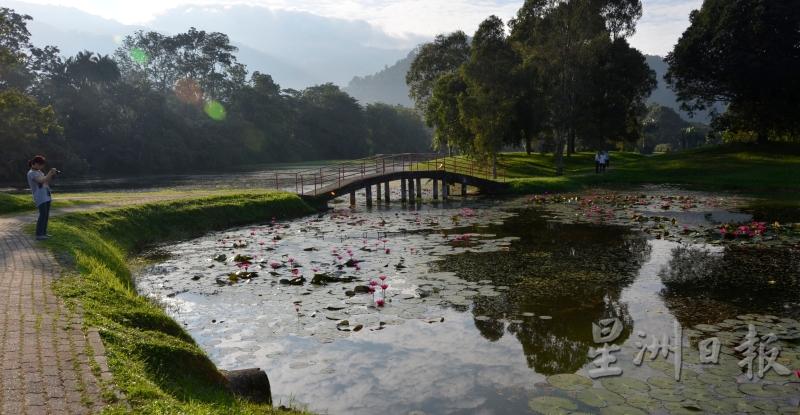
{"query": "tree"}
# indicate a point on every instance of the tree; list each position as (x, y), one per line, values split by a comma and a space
(744, 53)
(205, 58)
(444, 115)
(488, 106)
(331, 123)
(396, 129)
(443, 56)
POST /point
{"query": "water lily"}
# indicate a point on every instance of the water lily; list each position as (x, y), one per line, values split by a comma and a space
(380, 302)
(373, 283)
(384, 286)
(274, 264)
(383, 277)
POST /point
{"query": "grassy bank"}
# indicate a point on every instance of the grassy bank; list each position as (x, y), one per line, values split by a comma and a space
(155, 363)
(23, 203)
(756, 170)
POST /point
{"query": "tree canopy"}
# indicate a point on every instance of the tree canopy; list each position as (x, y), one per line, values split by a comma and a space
(168, 103)
(565, 75)
(745, 53)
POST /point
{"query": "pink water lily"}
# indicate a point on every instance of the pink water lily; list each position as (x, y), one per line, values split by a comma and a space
(383, 277)
(380, 302)
(274, 264)
(384, 286)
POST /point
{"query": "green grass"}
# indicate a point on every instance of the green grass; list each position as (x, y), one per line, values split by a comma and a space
(755, 170)
(155, 363)
(23, 203)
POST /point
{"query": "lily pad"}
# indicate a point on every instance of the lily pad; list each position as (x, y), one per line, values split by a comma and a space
(621, 410)
(760, 390)
(683, 408)
(625, 386)
(717, 406)
(662, 382)
(669, 395)
(552, 405)
(569, 382)
(644, 402)
(599, 398)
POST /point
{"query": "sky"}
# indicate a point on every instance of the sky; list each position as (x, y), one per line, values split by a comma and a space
(662, 23)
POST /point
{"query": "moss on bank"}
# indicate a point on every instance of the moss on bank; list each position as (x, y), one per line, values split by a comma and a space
(155, 363)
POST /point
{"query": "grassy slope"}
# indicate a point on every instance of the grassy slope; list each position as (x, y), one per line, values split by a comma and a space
(748, 169)
(155, 362)
(23, 203)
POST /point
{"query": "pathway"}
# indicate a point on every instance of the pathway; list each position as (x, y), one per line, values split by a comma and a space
(44, 352)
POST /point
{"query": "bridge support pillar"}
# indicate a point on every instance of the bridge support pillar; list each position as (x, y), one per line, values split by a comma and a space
(419, 188)
(386, 191)
(445, 189)
(368, 189)
(403, 190)
(435, 189)
(352, 199)
(411, 197)
(463, 189)
(378, 192)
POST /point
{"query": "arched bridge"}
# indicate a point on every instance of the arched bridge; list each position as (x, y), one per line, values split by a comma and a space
(374, 176)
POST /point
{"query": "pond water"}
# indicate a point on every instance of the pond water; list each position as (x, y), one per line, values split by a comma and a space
(490, 306)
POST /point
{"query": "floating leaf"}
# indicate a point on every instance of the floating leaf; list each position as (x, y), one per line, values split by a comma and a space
(625, 386)
(569, 381)
(621, 410)
(552, 405)
(599, 398)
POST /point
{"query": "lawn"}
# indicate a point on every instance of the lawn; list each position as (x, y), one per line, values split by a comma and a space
(155, 363)
(741, 168)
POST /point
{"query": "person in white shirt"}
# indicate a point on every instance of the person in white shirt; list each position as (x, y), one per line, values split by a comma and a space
(40, 188)
(597, 162)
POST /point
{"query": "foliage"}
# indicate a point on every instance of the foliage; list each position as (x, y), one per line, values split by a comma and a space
(155, 362)
(565, 74)
(396, 129)
(169, 103)
(663, 126)
(441, 57)
(743, 53)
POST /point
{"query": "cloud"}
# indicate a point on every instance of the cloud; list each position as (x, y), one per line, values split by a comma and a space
(660, 27)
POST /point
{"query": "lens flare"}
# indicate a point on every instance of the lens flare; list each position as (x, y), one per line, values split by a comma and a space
(140, 56)
(188, 91)
(215, 110)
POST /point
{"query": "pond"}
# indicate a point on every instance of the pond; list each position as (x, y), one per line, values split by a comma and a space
(488, 306)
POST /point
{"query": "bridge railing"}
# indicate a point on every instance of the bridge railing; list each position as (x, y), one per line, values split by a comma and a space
(313, 181)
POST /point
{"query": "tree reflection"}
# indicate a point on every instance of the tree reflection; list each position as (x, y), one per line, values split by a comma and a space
(573, 273)
(709, 284)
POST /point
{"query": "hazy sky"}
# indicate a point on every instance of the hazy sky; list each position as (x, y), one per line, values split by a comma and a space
(663, 21)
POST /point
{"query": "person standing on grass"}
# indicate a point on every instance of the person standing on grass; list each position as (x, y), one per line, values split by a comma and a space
(608, 159)
(597, 161)
(40, 187)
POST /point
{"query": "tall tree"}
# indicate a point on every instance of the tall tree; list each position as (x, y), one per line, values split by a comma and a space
(443, 56)
(488, 106)
(745, 53)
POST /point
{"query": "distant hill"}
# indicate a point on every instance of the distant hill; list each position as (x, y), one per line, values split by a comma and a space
(389, 86)
(298, 49)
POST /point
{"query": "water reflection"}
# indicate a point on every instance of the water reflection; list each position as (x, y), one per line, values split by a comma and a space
(562, 278)
(722, 280)
(517, 310)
